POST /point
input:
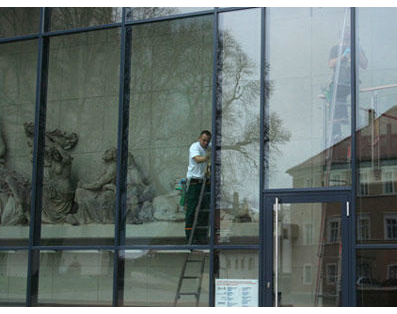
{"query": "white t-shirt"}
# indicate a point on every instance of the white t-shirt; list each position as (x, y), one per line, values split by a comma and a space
(196, 170)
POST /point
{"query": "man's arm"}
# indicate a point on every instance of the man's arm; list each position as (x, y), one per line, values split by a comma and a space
(200, 159)
(333, 58)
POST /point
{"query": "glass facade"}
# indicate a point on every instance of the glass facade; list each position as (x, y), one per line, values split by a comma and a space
(197, 157)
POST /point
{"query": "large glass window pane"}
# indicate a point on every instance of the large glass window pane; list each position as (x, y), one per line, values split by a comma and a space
(377, 126)
(77, 278)
(238, 126)
(236, 278)
(66, 18)
(13, 270)
(308, 119)
(152, 277)
(376, 276)
(134, 14)
(79, 188)
(19, 21)
(171, 72)
(18, 66)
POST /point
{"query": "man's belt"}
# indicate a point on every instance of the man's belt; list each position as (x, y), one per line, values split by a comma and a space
(199, 181)
(194, 180)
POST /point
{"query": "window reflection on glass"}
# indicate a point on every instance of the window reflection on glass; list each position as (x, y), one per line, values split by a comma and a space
(79, 185)
(152, 278)
(76, 278)
(238, 125)
(376, 276)
(17, 106)
(13, 270)
(66, 18)
(377, 124)
(19, 21)
(309, 104)
(171, 101)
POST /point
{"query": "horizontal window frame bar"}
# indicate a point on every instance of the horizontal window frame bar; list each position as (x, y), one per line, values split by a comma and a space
(375, 246)
(342, 189)
(118, 24)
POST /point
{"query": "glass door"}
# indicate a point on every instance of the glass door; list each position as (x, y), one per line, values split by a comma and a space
(309, 250)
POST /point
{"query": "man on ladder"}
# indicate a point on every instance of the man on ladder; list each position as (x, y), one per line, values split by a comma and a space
(340, 87)
(197, 199)
(198, 159)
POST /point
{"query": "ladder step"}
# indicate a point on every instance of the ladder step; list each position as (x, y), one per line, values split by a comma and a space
(190, 277)
(194, 261)
(188, 293)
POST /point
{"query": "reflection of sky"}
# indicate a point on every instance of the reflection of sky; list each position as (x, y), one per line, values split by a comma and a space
(245, 27)
(299, 46)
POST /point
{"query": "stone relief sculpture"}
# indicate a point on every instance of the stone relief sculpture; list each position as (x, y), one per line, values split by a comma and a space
(14, 198)
(89, 202)
(14, 193)
(139, 194)
(96, 200)
(58, 193)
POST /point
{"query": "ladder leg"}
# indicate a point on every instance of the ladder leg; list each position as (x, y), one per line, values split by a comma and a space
(178, 290)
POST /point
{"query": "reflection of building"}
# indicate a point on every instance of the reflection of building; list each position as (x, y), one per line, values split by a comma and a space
(376, 213)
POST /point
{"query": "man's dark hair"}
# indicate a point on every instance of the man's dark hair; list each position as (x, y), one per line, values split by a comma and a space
(206, 132)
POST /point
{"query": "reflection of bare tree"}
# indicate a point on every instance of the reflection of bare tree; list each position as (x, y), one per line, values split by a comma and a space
(19, 21)
(66, 18)
(149, 12)
(239, 88)
(238, 120)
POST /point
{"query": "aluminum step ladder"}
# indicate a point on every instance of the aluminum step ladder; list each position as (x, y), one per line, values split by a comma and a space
(194, 257)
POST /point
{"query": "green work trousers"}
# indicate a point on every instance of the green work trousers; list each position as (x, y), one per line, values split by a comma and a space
(200, 236)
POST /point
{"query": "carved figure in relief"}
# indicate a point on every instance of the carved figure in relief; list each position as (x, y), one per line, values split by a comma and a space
(14, 193)
(96, 200)
(58, 192)
(139, 194)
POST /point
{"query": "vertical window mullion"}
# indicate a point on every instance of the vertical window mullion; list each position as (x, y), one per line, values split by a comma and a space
(122, 161)
(38, 160)
(352, 224)
(214, 155)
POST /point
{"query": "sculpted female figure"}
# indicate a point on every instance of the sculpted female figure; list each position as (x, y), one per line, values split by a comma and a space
(58, 193)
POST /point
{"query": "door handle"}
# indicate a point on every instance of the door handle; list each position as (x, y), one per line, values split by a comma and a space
(347, 209)
(276, 208)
